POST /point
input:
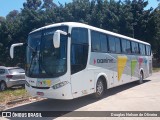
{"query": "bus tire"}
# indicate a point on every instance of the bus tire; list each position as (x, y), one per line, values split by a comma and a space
(141, 77)
(100, 89)
(3, 86)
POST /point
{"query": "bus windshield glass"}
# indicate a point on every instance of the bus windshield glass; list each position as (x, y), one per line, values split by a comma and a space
(44, 60)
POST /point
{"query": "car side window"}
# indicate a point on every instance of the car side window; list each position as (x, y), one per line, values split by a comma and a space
(2, 71)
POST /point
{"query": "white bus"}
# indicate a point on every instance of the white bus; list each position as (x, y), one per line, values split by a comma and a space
(69, 60)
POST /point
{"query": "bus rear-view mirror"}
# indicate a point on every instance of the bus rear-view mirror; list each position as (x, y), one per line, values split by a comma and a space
(12, 49)
(57, 37)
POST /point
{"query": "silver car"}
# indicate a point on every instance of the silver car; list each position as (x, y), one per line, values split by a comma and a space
(11, 76)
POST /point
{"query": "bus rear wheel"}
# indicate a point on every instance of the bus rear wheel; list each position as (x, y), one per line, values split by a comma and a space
(141, 78)
(99, 89)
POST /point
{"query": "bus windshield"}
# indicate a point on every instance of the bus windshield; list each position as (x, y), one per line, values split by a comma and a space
(44, 60)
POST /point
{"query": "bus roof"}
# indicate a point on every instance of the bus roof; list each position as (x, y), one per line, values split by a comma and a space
(76, 24)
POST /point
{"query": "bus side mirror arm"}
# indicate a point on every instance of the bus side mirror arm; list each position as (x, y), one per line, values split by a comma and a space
(12, 49)
(57, 37)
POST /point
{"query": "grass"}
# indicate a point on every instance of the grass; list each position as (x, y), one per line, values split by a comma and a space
(12, 94)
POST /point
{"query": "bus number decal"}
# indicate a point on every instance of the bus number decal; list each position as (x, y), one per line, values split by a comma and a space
(44, 83)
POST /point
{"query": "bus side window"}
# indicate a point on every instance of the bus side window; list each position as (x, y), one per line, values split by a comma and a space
(96, 43)
(142, 49)
(124, 46)
(148, 50)
(104, 43)
(118, 45)
(149, 47)
(137, 51)
(135, 48)
(99, 42)
(128, 47)
(112, 47)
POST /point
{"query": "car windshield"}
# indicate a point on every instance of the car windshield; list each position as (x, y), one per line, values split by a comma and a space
(44, 60)
(15, 70)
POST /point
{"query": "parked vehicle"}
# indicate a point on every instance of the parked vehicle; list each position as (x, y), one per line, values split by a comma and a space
(11, 76)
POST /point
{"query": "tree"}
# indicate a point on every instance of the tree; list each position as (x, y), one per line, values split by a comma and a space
(141, 19)
(2, 19)
(128, 18)
(12, 15)
(32, 4)
(155, 27)
(48, 5)
(158, 4)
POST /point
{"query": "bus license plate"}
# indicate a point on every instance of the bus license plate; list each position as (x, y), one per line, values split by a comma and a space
(40, 93)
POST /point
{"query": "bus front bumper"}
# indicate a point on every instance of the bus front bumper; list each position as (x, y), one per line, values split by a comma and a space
(63, 93)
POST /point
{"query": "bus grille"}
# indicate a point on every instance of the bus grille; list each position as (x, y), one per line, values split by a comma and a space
(40, 87)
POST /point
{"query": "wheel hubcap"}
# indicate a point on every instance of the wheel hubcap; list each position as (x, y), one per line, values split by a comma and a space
(141, 78)
(100, 88)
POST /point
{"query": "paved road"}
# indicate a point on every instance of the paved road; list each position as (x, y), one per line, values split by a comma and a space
(129, 97)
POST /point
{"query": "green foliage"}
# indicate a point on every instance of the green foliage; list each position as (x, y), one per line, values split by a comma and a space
(129, 18)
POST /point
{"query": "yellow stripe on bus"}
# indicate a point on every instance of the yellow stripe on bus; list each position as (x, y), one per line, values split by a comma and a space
(122, 60)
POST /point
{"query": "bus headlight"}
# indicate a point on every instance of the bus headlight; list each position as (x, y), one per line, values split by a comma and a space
(27, 84)
(61, 84)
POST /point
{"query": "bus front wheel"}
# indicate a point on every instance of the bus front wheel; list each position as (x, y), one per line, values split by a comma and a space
(99, 88)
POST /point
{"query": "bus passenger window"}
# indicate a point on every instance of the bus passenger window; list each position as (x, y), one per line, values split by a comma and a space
(104, 44)
(124, 46)
(118, 45)
(142, 49)
(128, 47)
(148, 50)
(112, 47)
(96, 44)
(135, 48)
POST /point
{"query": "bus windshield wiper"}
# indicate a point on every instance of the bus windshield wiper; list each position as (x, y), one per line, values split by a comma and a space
(34, 50)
